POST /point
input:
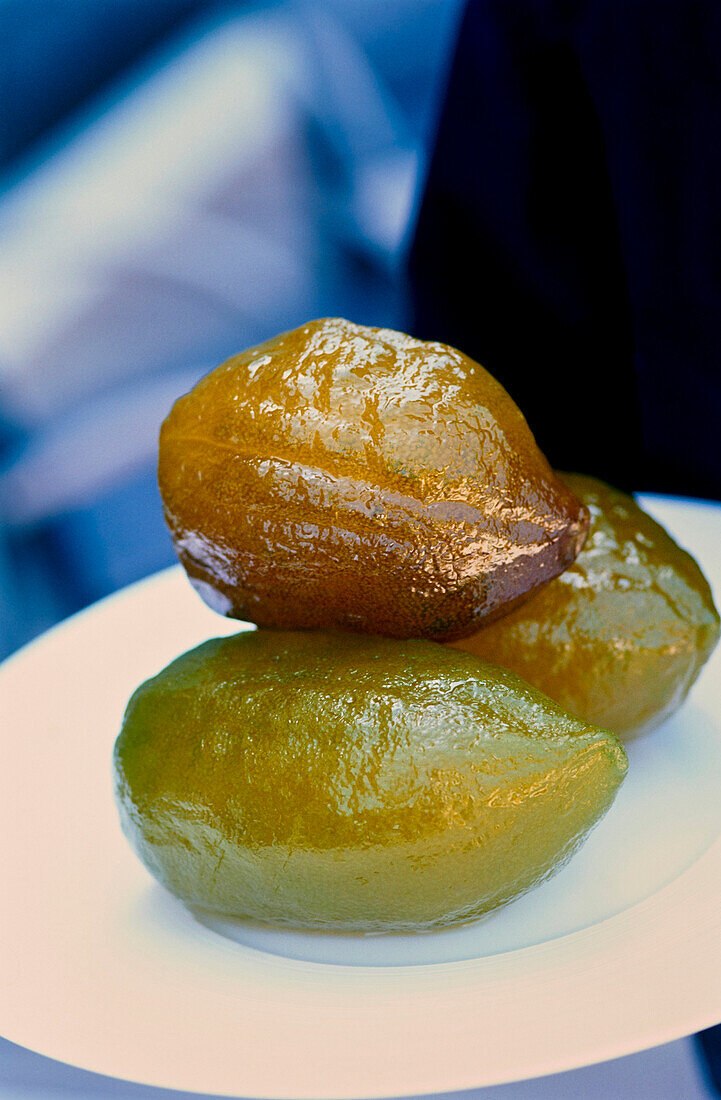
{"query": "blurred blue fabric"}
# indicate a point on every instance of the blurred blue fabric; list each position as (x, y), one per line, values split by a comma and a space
(227, 172)
(53, 55)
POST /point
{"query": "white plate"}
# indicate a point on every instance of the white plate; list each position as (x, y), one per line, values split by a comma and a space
(102, 969)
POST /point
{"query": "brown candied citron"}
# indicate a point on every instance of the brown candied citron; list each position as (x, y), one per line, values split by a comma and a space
(621, 636)
(350, 782)
(355, 478)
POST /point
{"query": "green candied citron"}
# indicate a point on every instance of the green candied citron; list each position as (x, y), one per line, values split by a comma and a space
(621, 636)
(352, 782)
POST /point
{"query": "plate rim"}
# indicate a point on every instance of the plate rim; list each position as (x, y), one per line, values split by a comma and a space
(636, 919)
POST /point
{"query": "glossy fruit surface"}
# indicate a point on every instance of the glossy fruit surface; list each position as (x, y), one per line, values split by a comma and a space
(335, 780)
(347, 477)
(621, 636)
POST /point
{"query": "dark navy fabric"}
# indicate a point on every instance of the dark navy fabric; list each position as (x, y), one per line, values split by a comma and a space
(569, 235)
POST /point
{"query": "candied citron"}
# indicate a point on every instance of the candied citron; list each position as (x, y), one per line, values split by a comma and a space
(343, 477)
(621, 636)
(351, 782)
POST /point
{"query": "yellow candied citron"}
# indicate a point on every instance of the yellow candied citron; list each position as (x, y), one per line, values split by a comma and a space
(344, 477)
(621, 636)
(351, 782)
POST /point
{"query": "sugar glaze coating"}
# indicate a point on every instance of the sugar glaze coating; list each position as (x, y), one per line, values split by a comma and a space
(346, 477)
